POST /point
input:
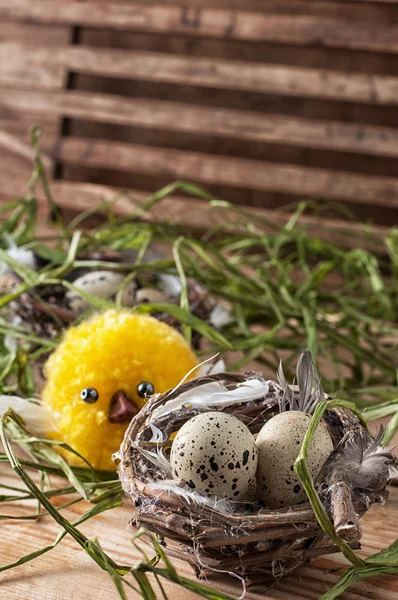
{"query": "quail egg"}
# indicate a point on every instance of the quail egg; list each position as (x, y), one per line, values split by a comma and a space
(150, 296)
(103, 284)
(216, 455)
(278, 445)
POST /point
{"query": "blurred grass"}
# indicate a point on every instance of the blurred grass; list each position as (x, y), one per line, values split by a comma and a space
(288, 289)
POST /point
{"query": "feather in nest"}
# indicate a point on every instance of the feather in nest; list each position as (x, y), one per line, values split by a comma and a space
(221, 505)
(18, 253)
(310, 391)
(214, 395)
(364, 463)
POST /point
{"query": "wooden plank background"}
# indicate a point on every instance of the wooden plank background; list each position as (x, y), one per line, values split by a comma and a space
(263, 104)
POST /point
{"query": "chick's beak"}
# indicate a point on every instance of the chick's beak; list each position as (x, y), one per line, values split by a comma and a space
(121, 408)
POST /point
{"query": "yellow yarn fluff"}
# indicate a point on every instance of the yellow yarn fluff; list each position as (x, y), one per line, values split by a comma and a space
(113, 351)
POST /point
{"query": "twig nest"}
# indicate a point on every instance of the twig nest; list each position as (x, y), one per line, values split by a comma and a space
(245, 536)
(48, 309)
(278, 445)
(216, 455)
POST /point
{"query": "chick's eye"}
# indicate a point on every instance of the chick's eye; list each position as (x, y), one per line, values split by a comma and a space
(145, 389)
(89, 395)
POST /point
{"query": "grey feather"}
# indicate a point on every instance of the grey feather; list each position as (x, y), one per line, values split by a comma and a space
(287, 397)
(364, 463)
(305, 376)
(310, 391)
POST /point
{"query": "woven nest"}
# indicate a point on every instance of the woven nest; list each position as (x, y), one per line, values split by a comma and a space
(245, 539)
(48, 310)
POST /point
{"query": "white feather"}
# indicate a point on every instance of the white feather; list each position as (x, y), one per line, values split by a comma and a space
(20, 254)
(207, 368)
(156, 458)
(157, 435)
(221, 505)
(186, 399)
(10, 342)
(38, 418)
(170, 284)
(200, 369)
(220, 316)
(215, 394)
(244, 392)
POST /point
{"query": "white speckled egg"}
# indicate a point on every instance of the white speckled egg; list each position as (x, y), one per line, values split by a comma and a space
(103, 284)
(150, 296)
(278, 445)
(216, 455)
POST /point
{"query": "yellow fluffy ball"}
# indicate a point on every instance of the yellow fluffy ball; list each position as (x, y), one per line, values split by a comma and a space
(112, 352)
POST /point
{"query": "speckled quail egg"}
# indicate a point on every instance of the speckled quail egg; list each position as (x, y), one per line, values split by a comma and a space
(278, 445)
(216, 455)
(150, 296)
(103, 284)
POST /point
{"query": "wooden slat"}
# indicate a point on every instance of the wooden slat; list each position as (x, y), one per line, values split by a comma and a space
(232, 172)
(333, 8)
(336, 59)
(174, 116)
(254, 26)
(16, 166)
(47, 64)
(15, 169)
(375, 1)
(20, 68)
(18, 123)
(12, 146)
(30, 33)
(194, 213)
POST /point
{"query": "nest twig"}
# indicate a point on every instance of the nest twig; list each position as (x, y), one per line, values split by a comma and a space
(244, 538)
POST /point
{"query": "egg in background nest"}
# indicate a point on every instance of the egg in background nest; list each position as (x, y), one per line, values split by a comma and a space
(103, 284)
(150, 296)
(216, 455)
(278, 444)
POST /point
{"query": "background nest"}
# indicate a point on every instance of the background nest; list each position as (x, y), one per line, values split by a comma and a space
(249, 540)
(47, 312)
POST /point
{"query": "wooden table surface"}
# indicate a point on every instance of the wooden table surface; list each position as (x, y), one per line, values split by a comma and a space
(67, 573)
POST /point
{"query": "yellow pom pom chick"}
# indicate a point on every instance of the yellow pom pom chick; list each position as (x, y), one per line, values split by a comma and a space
(100, 375)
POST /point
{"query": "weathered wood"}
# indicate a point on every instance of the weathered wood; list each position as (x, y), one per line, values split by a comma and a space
(16, 147)
(312, 57)
(194, 213)
(33, 34)
(174, 116)
(18, 124)
(47, 66)
(254, 26)
(20, 71)
(333, 8)
(231, 172)
(68, 570)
